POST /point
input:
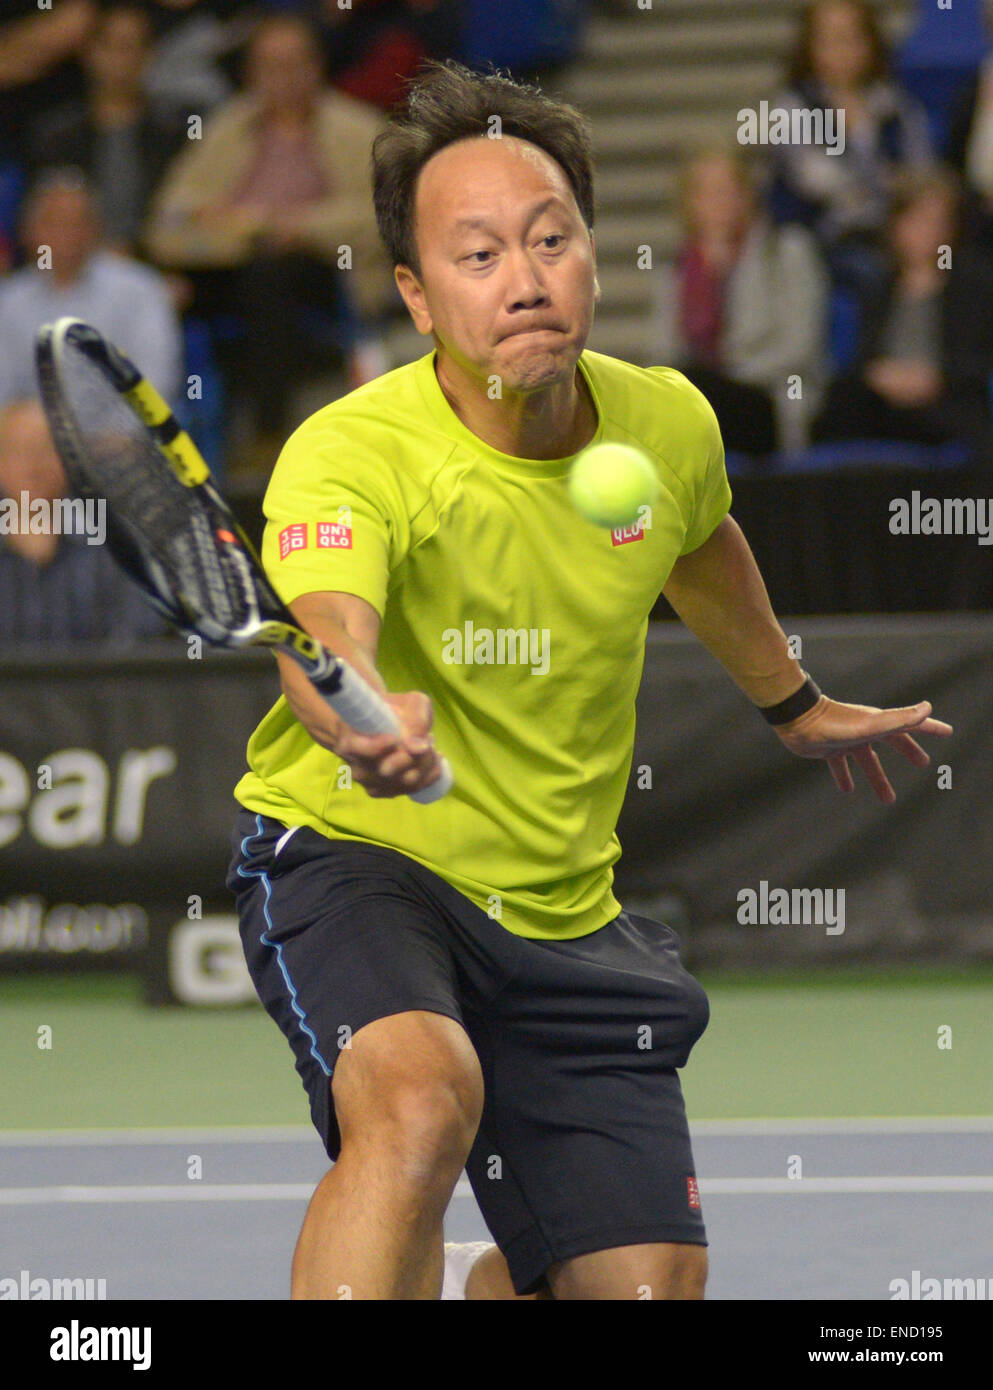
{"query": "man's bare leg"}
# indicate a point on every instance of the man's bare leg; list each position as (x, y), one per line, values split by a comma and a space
(489, 1278)
(408, 1096)
(668, 1271)
(664, 1271)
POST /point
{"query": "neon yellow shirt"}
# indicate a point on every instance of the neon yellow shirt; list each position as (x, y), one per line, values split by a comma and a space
(524, 623)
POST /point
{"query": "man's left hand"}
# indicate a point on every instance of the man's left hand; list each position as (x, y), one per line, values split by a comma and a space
(835, 731)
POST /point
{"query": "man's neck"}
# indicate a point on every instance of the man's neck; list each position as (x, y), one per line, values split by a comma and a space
(290, 120)
(549, 424)
(65, 277)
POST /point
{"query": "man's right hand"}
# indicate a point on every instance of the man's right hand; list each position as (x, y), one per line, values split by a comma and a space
(388, 765)
(384, 764)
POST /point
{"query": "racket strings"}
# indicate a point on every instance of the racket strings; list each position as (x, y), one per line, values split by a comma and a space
(166, 524)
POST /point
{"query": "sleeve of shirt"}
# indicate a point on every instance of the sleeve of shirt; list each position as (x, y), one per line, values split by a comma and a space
(708, 480)
(336, 518)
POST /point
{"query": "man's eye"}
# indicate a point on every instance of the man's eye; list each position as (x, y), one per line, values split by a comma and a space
(553, 236)
(473, 254)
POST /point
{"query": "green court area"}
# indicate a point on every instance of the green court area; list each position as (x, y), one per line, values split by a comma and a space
(822, 1044)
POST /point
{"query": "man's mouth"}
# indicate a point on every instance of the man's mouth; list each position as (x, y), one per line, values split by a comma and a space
(519, 332)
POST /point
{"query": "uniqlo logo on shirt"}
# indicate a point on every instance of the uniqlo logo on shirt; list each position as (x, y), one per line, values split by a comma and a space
(292, 538)
(624, 535)
(333, 535)
(693, 1193)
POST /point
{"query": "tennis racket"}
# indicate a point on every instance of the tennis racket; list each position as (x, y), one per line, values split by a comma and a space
(169, 528)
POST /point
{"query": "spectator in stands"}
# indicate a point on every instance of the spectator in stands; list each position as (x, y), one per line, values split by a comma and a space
(926, 357)
(68, 271)
(276, 202)
(840, 65)
(970, 144)
(39, 49)
(193, 64)
(111, 133)
(744, 309)
(373, 48)
(54, 587)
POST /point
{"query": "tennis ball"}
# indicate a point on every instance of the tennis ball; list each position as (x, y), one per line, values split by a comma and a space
(608, 483)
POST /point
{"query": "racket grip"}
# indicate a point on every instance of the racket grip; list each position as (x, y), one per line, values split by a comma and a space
(365, 710)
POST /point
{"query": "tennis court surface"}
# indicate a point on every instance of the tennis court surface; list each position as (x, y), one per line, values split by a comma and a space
(799, 1205)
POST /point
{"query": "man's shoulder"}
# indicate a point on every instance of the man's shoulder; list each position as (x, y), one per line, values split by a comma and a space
(386, 421)
(659, 393)
(385, 397)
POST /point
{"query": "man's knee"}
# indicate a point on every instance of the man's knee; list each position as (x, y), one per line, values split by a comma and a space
(690, 1272)
(410, 1089)
(644, 1272)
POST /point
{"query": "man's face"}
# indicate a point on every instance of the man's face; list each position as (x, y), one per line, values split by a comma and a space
(717, 200)
(508, 276)
(841, 49)
(283, 67)
(64, 219)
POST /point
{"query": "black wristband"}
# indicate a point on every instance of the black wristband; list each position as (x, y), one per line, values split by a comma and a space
(794, 705)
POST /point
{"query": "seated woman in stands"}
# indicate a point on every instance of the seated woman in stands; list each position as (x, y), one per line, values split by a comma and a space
(843, 193)
(743, 311)
(925, 363)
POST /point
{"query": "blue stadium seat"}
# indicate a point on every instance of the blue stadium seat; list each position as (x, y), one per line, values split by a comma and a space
(522, 34)
(11, 191)
(204, 419)
(843, 330)
(871, 453)
(942, 52)
(739, 465)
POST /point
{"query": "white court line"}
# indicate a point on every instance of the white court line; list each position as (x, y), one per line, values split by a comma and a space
(870, 1124)
(304, 1134)
(218, 1134)
(302, 1192)
(734, 1187)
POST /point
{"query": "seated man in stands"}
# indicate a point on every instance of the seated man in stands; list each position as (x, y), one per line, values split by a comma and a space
(55, 586)
(926, 355)
(68, 271)
(112, 133)
(275, 203)
(40, 45)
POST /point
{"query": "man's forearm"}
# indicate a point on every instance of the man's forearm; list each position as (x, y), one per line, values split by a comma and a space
(720, 595)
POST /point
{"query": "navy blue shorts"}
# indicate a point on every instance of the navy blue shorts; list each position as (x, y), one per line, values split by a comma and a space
(583, 1143)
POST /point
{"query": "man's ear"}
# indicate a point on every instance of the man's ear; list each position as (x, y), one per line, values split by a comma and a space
(596, 282)
(412, 293)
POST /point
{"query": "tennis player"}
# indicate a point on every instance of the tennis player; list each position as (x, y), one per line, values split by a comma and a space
(458, 982)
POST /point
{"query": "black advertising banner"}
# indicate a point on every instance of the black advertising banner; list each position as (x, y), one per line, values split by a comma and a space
(115, 799)
(116, 809)
(738, 842)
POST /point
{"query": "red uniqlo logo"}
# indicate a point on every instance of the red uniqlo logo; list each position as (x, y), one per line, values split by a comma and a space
(333, 535)
(693, 1193)
(292, 538)
(624, 535)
